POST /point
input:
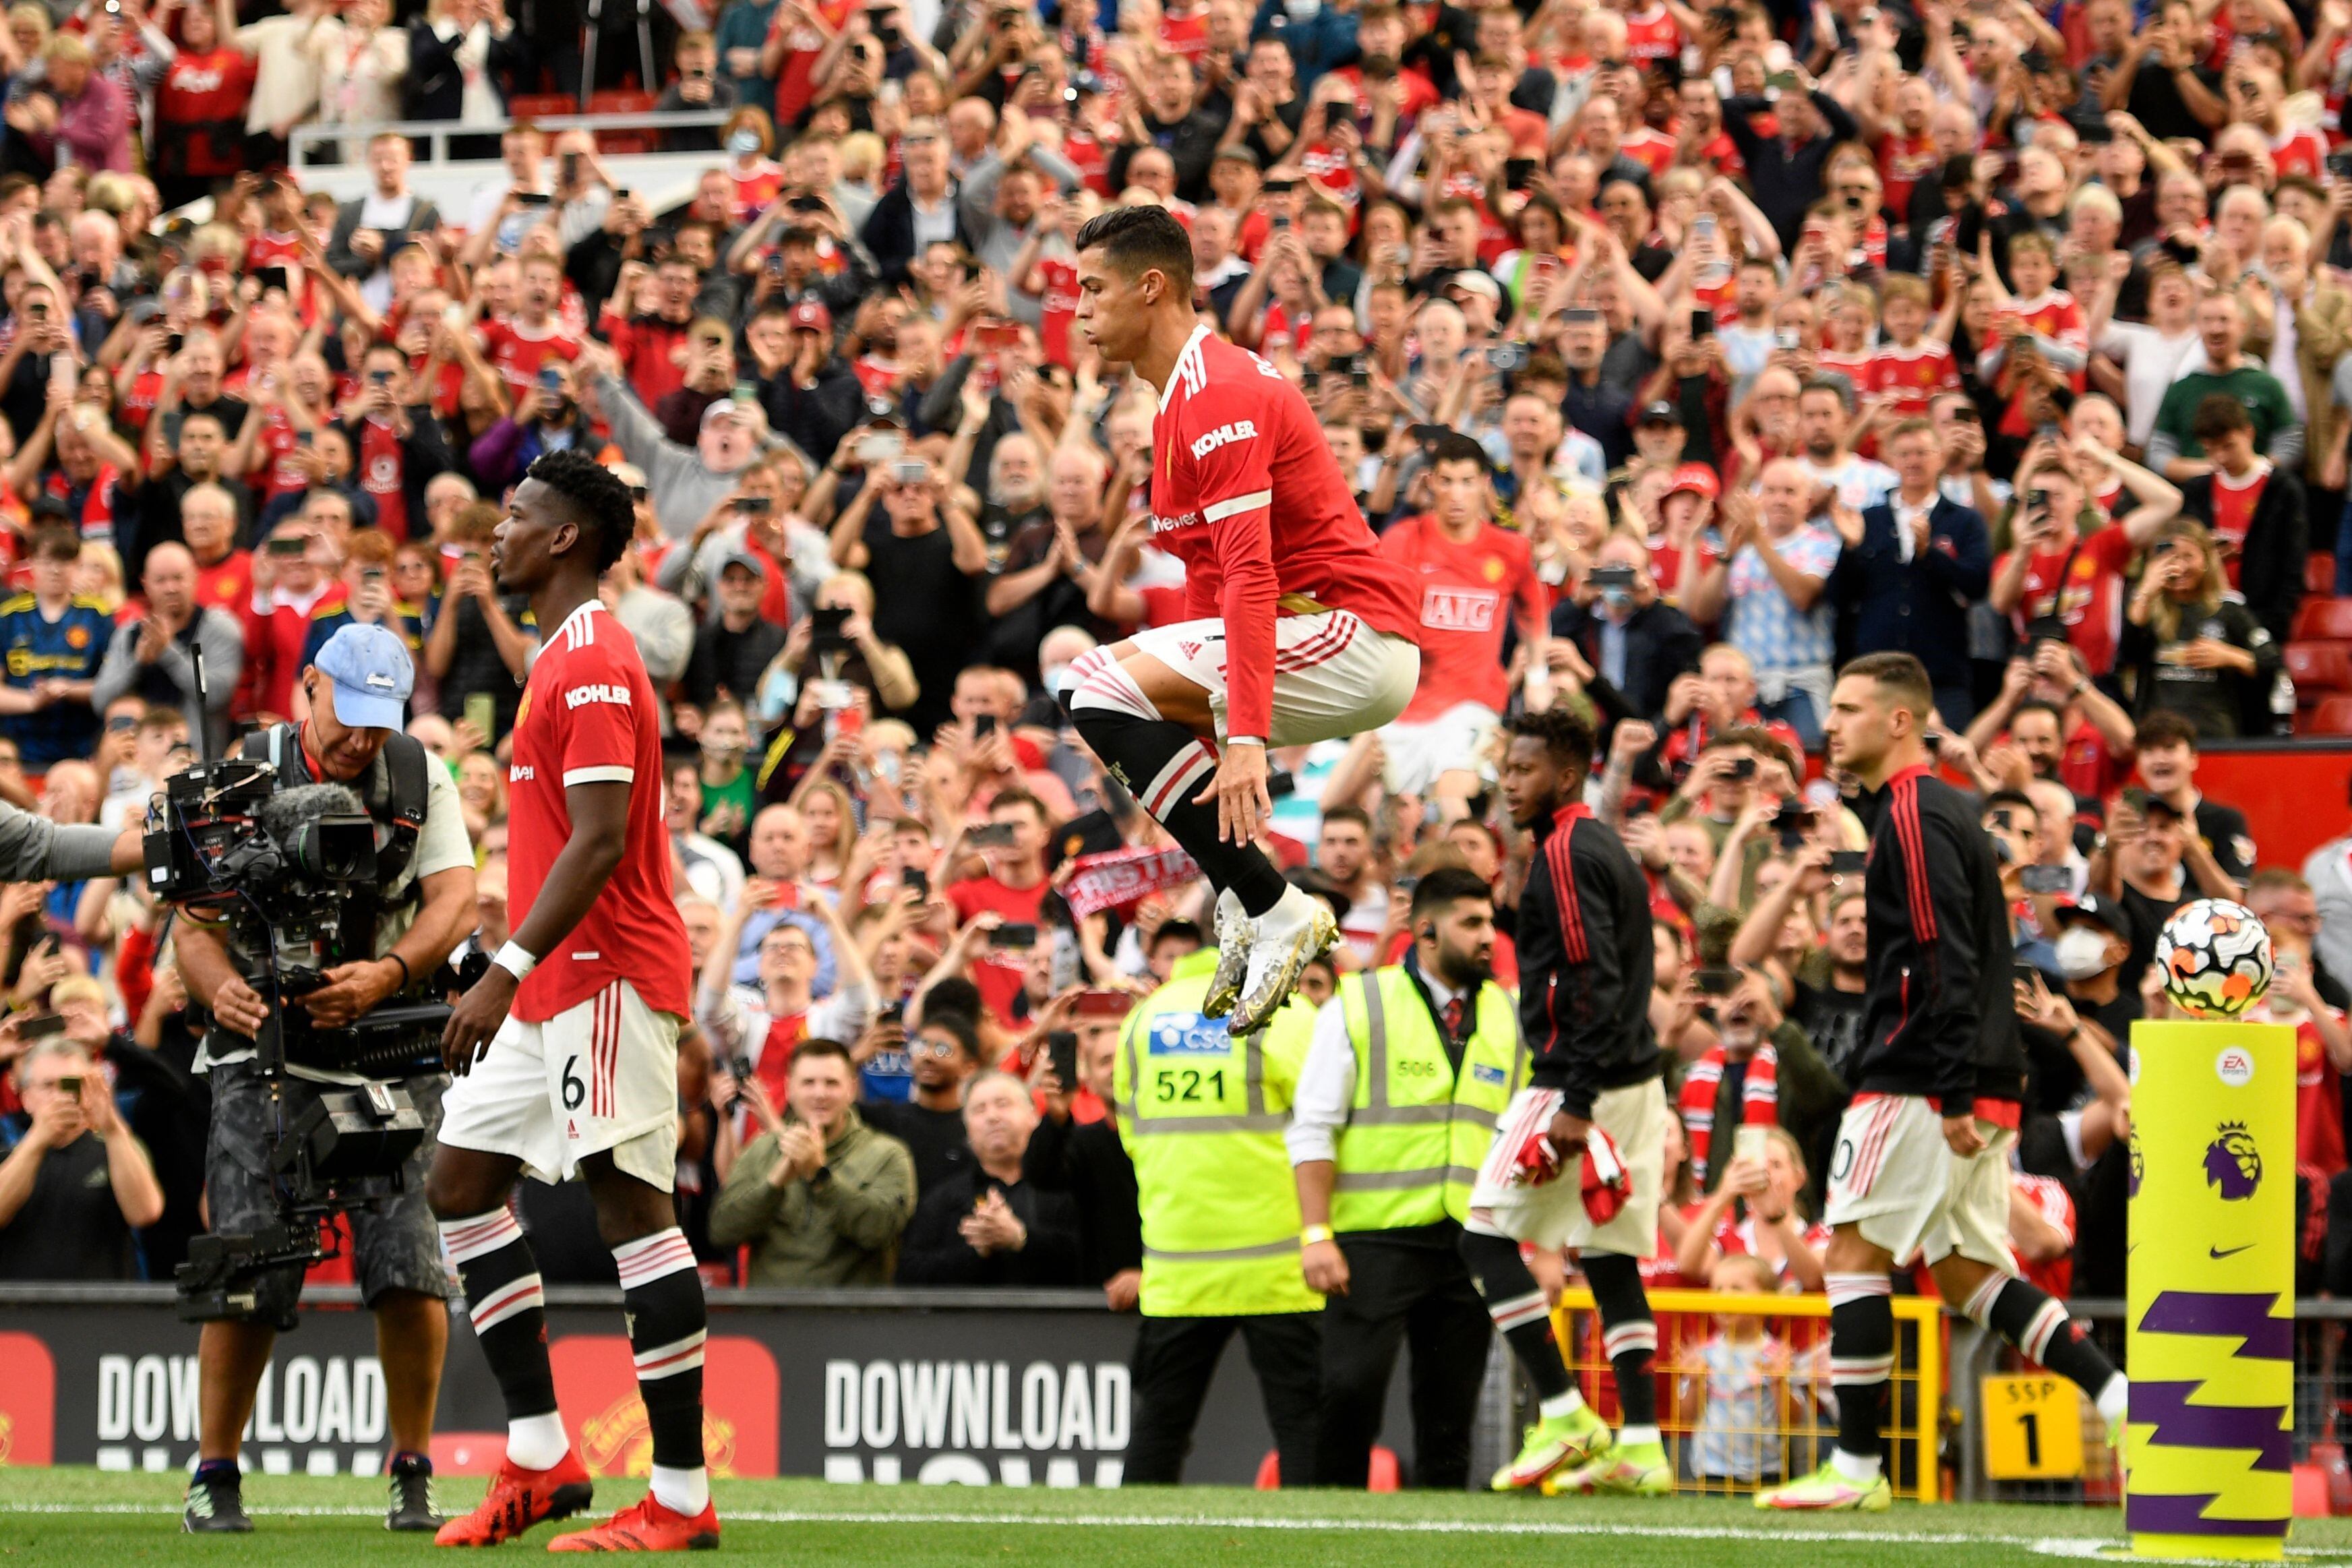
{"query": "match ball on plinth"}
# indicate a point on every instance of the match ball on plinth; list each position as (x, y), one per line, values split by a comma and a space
(2215, 958)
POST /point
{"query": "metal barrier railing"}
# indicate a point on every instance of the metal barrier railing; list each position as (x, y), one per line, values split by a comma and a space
(1744, 1395)
(1977, 1356)
(435, 135)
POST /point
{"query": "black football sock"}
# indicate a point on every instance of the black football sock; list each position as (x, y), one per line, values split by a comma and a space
(1862, 1360)
(666, 1329)
(1629, 1336)
(1164, 765)
(509, 1312)
(2042, 1330)
(1517, 1304)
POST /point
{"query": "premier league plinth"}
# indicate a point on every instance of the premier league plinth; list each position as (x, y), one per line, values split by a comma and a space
(2210, 1346)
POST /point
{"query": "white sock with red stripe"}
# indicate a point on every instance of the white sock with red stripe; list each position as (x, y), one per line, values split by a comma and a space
(667, 1329)
(509, 1311)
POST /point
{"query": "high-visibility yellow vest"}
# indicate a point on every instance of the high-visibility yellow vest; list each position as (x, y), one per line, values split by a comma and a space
(1418, 1130)
(1202, 1116)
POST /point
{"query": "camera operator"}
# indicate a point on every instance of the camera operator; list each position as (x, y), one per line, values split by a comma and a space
(423, 906)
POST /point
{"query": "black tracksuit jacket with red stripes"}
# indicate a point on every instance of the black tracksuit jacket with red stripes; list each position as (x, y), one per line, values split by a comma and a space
(1939, 1016)
(1586, 962)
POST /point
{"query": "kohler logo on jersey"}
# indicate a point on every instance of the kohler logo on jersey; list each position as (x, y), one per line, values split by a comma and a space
(1223, 436)
(578, 696)
(1170, 524)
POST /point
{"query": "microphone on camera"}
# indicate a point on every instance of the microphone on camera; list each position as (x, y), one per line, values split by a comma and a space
(284, 814)
(313, 827)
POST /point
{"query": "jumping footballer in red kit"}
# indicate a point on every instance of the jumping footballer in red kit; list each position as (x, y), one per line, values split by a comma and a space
(1297, 629)
(566, 1050)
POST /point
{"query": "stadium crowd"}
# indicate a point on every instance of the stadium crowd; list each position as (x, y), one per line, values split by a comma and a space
(1684, 353)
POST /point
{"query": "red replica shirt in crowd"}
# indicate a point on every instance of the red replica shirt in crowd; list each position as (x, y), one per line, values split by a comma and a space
(1186, 34)
(1912, 377)
(380, 465)
(1651, 36)
(1057, 307)
(802, 44)
(1467, 588)
(227, 583)
(270, 249)
(2234, 500)
(2318, 1103)
(999, 981)
(518, 350)
(2091, 599)
(2055, 1278)
(2088, 767)
(1903, 162)
(1654, 149)
(275, 635)
(1245, 493)
(647, 347)
(200, 104)
(587, 716)
(1851, 364)
(2055, 323)
(755, 187)
(2299, 152)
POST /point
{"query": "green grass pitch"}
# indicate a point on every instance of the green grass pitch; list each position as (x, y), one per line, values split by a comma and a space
(89, 1519)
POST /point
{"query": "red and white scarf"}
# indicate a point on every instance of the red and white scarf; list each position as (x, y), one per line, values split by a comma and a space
(1760, 1098)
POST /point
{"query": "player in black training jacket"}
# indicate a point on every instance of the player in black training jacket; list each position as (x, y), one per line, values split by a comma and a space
(1586, 957)
(1921, 1171)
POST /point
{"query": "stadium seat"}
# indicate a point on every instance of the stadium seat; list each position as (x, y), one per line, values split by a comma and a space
(620, 101)
(2319, 573)
(544, 106)
(2332, 717)
(2318, 668)
(2324, 620)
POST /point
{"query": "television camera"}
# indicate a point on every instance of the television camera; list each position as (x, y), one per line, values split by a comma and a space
(291, 875)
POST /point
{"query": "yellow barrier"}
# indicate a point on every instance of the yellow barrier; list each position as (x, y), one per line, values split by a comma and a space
(1744, 1395)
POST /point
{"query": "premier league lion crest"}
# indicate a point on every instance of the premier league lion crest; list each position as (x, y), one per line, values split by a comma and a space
(2233, 1163)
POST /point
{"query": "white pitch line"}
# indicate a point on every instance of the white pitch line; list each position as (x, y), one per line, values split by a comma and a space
(2064, 1546)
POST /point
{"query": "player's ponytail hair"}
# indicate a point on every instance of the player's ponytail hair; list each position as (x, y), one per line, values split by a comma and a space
(1137, 240)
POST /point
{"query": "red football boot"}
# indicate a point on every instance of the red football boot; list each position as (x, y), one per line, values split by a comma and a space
(646, 1526)
(519, 1499)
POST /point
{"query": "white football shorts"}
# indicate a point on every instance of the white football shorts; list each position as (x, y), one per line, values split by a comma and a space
(1553, 1216)
(1334, 676)
(602, 1075)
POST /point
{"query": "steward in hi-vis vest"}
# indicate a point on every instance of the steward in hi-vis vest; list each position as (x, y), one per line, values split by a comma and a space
(1201, 1113)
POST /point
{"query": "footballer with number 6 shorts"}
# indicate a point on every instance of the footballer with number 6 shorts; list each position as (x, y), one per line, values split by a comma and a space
(1921, 1169)
(1578, 1156)
(566, 1050)
(1296, 627)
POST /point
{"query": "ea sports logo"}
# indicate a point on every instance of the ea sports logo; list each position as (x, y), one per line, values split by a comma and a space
(2235, 1067)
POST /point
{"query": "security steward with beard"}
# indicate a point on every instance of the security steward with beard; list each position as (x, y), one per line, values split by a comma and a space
(422, 905)
(1395, 1108)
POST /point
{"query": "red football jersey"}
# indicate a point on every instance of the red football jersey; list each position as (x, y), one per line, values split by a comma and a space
(587, 716)
(2234, 500)
(518, 350)
(1652, 36)
(1057, 307)
(1245, 493)
(2091, 600)
(1466, 591)
(1913, 376)
(2318, 1102)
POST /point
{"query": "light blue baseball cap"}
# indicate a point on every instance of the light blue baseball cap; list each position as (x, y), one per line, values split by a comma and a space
(372, 676)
